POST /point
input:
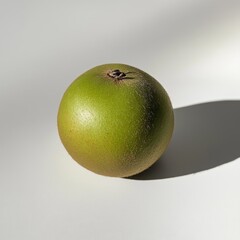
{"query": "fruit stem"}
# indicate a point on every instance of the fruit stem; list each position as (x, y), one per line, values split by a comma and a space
(117, 74)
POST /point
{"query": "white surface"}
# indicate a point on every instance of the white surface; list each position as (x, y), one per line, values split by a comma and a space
(191, 47)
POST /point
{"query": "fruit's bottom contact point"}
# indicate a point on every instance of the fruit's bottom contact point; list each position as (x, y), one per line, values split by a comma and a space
(114, 129)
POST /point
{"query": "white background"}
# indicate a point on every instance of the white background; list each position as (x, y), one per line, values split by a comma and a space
(191, 47)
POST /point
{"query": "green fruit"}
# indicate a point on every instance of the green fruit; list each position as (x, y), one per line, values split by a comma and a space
(115, 120)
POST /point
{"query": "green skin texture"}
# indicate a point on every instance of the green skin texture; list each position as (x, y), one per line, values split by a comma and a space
(115, 127)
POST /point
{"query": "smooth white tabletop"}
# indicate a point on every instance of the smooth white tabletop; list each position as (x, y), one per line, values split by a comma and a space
(192, 48)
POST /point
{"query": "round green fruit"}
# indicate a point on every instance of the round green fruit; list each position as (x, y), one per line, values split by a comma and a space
(115, 120)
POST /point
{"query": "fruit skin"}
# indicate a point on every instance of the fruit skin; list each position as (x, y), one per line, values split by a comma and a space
(115, 127)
